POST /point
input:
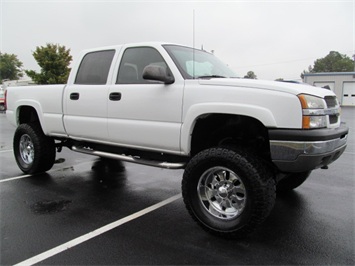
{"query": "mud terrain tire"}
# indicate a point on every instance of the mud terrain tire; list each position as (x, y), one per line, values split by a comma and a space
(229, 192)
(34, 152)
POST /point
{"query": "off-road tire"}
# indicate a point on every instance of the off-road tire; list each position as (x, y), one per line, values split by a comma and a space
(292, 181)
(234, 178)
(34, 152)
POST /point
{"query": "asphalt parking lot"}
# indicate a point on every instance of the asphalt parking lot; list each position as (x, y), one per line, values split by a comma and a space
(87, 211)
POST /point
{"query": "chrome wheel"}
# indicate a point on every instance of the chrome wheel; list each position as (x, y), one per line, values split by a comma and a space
(27, 151)
(222, 193)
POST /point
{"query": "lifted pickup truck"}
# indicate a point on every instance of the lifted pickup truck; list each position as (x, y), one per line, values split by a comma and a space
(175, 107)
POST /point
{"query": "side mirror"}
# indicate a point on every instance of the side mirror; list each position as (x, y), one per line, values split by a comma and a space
(158, 73)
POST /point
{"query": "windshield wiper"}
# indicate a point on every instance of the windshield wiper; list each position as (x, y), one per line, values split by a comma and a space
(210, 76)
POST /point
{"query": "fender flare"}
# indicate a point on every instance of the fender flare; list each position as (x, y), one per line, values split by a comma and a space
(197, 111)
(36, 106)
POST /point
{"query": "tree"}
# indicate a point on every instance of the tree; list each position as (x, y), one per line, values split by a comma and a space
(250, 75)
(10, 67)
(54, 61)
(333, 62)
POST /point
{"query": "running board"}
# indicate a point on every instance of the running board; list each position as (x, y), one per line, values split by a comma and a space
(130, 159)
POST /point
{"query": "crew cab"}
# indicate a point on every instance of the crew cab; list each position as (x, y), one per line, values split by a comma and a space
(176, 107)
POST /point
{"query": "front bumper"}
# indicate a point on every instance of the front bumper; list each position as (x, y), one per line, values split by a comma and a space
(305, 150)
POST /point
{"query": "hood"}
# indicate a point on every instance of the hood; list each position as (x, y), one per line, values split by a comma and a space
(286, 87)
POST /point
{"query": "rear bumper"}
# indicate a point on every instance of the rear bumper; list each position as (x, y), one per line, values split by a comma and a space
(305, 150)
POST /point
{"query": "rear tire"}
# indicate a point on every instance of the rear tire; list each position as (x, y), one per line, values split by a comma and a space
(228, 192)
(34, 152)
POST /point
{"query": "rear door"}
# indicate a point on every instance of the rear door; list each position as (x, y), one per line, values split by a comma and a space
(85, 100)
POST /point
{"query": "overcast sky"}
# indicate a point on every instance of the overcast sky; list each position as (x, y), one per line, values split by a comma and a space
(275, 39)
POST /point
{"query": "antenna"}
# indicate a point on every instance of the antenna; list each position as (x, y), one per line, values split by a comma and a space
(193, 43)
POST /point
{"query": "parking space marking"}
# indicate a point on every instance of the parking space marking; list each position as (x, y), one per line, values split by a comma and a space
(6, 151)
(51, 171)
(81, 239)
(14, 178)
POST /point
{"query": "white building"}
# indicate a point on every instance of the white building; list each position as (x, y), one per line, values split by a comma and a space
(342, 83)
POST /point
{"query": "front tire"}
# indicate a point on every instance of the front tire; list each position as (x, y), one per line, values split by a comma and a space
(34, 152)
(228, 192)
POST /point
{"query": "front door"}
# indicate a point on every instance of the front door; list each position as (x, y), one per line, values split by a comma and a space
(143, 113)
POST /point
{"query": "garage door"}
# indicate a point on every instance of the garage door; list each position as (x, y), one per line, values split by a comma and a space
(324, 84)
(348, 94)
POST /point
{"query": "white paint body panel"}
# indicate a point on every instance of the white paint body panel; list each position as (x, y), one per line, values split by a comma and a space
(148, 115)
(45, 99)
(86, 118)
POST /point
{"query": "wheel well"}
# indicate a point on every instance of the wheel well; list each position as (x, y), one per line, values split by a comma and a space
(223, 129)
(27, 114)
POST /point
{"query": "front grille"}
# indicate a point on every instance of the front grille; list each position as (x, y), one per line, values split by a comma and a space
(331, 101)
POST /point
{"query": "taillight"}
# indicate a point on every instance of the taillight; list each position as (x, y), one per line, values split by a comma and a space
(5, 105)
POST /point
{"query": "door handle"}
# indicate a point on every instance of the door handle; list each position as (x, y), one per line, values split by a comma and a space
(115, 96)
(74, 96)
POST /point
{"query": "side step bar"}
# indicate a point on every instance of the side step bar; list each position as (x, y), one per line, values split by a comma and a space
(130, 159)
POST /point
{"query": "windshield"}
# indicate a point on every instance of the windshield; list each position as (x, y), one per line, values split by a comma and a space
(194, 63)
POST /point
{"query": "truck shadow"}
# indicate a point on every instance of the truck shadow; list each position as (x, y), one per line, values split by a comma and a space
(286, 219)
(109, 173)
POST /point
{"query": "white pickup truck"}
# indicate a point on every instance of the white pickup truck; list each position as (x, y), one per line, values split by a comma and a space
(175, 107)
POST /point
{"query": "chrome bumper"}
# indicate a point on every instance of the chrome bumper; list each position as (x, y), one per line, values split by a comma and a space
(300, 156)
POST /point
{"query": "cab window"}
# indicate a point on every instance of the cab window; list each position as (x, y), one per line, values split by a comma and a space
(94, 68)
(134, 60)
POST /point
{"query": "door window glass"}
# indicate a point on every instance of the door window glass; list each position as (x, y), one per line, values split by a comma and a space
(94, 68)
(134, 60)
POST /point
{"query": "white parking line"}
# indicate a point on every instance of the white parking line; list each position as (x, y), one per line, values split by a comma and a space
(6, 151)
(51, 171)
(14, 178)
(54, 251)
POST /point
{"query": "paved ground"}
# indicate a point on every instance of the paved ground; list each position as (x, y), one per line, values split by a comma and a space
(52, 218)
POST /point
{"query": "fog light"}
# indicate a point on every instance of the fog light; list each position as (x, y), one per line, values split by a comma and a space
(310, 122)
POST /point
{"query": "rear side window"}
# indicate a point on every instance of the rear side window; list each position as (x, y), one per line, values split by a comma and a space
(94, 68)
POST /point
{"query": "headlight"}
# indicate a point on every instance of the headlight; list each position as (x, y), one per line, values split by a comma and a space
(313, 109)
(311, 102)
